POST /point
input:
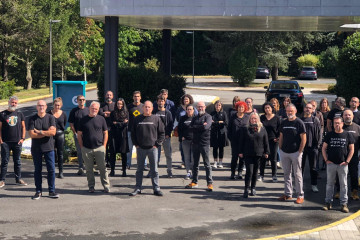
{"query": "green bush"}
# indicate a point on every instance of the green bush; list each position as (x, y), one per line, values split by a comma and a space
(152, 63)
(69, 147)
(348, 81)
(148, 81)
(328, 61)
(242, 66)
(307, 60)
(331, 88)
(7, 89)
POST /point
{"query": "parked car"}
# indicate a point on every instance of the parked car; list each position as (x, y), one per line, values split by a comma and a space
(284, 88)
(262, 72)
(308, 73)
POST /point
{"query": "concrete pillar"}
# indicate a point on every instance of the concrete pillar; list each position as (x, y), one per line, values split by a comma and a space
(111, 55)
(166, 52)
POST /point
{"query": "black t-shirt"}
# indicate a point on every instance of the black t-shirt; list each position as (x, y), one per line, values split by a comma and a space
(335, 113)
(338, 146)
(11, 130)
(354, 129)
(134, 111)
(291, 131)
(92, 129)
(60, 121)
(272, 126)
(107, 107)
(76, 115)
(45, 144)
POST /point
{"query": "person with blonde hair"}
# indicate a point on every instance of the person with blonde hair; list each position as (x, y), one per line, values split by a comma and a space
(275, 103)
(59, 138)
(253, 145)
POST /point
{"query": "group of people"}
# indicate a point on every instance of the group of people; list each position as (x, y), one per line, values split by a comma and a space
(322, 137)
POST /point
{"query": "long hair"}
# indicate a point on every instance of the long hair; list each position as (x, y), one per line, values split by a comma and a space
(277, 104)
(219, 102)
(120, 114)
(325, 100)
(285, 99)
(258, 122)
(235, 100)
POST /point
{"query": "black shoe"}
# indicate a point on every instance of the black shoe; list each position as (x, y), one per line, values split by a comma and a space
(128, 167)
(112, 173)
(135, 192)
(148, 175)
(60, 175)
(107, 165)
(240, 177)
(124, 174)
(53, 195)
(158, 193)
(253, 192)
(246, 193)
(232, 177)
(37, 196)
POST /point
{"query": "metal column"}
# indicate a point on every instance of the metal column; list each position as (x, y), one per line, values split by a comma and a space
(111, 55)
(166, 51)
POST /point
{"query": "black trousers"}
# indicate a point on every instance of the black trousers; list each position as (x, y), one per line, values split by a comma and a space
(235, 158)
(59, 145)
(221, 152)
(252, 166)
(113, 161)
(312, 156)
(272, 158)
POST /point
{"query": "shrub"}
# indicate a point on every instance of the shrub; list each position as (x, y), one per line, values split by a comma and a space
(148, 81)
(7, 89)
(307, 60)
(152, 63)
(331, 88)
(69, 147)
(242, 66)
(347, 81)
(328, 61)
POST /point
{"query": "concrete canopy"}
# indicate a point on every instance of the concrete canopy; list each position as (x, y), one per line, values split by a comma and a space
(227, 15)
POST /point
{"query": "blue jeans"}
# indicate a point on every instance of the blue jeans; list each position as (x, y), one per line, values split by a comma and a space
(154, 174)
(50, 165)
(6, 147)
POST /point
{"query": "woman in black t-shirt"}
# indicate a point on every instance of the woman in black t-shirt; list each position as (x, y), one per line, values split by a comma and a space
(218, 135)
(271, 122)
(119, 140)
(59, 138)
(282, 111)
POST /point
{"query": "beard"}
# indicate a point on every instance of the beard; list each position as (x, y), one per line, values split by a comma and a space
(347, 121)
(202, 112)
(291, 116)
(11, 108)
(108, 100)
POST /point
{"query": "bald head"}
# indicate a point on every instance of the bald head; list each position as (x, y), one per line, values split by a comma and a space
(148, 108)
(201, 107)
(41, 107)
(348, 116)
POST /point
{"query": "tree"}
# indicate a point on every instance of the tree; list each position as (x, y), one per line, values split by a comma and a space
(347, 82)
(242, 65)
(307, 60)
(276, 60)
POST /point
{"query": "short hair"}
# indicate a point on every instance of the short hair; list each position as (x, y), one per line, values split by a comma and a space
(291, 105)
(148, 102)
(252, 100)
(240, 103)
(160, 97)
(188, 96)
(109, 91)
(79, 96)
(13, 98)
(313, 101)
(95, 103)
(268, 104)
(341, 101)
(164, 91)
(189, 105)
(136, 92)
(338, 117)
(58, 100)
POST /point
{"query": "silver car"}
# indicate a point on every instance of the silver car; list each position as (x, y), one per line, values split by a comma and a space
(308, 73)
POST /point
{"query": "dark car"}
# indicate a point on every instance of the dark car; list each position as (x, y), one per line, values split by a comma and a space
(282, 89)
(262, 72)
(308, 73)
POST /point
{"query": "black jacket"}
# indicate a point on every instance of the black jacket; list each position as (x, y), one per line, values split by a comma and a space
(253, 143)
(167, 120)
(201, 132)
(148, 131)
(218, 136)
(235, 126)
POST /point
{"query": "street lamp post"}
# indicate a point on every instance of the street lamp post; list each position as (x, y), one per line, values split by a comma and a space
(51, 21)
(193, 54)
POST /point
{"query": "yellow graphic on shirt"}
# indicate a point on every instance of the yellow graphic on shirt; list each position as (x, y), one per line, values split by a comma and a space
(136, 113)
(12, 121)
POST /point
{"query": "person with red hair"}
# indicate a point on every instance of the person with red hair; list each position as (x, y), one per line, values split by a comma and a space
(237, 123)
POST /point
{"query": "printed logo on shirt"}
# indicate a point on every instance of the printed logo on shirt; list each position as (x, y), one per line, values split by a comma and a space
(290, 127)
(146, 123)
(337, 142)
(136, 113)
(12, 121)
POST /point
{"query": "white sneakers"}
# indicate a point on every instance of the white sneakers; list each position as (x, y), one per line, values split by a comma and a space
(314, 188)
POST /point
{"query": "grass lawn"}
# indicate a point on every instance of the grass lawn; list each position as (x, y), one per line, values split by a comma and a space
(22, 93)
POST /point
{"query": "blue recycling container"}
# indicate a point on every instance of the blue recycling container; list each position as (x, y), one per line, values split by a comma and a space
(68, 91)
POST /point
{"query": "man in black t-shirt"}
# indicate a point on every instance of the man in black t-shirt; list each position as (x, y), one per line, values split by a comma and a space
(12, 136)
(340, 105)
(338, 149)
(354, 129)
(93, 136)
(42, 128)
(291, 143)
(75, 116)
(135, 109)
(105, 111)
(147, 134)
(354, 105)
